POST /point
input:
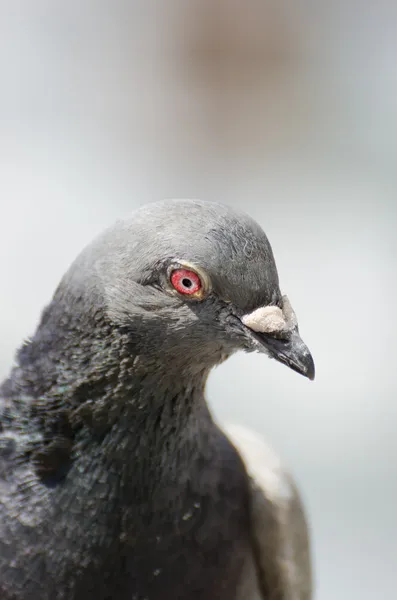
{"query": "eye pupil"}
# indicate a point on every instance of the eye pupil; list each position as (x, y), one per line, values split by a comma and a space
(187, 282)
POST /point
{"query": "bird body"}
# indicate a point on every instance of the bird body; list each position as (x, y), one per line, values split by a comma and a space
(115, 481)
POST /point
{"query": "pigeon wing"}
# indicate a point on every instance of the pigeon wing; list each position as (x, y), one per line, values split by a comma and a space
(280, 533)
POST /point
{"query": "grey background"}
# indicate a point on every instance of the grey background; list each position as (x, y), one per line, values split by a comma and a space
(285, 109)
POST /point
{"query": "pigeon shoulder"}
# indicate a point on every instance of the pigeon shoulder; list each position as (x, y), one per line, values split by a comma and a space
(280, 530)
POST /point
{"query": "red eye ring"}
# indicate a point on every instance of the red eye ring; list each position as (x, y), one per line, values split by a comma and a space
(186, 282)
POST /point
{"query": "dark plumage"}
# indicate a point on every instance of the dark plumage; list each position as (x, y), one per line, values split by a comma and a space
(115, 483)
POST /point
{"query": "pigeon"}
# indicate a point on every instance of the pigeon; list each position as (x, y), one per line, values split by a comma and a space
(115, 480)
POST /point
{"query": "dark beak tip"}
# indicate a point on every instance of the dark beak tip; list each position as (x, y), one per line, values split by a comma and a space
(309, 369)
(292, 352)
(304, 367)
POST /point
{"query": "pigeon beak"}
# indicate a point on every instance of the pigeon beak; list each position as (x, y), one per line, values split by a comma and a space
(291, 351)
(276, 328)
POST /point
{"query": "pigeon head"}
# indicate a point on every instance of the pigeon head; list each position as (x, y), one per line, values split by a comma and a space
(191, 282)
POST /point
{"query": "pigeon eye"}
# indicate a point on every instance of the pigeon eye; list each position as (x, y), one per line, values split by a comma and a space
(186, 282)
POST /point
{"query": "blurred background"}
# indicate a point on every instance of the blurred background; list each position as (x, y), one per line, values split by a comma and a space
(287, 110)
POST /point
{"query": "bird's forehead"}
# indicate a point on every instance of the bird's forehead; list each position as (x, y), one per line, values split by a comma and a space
(229, 246)
(239, 260)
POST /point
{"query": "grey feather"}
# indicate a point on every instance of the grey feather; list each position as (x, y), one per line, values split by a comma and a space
(279, 524)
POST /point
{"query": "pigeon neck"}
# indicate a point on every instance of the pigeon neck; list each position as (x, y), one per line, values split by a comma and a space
(83, 356)
(97, 387)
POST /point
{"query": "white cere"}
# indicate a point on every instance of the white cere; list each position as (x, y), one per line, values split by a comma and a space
(271, 319)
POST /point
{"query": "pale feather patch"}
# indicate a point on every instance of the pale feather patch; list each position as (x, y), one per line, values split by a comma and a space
(263, 463)
(279, 526)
